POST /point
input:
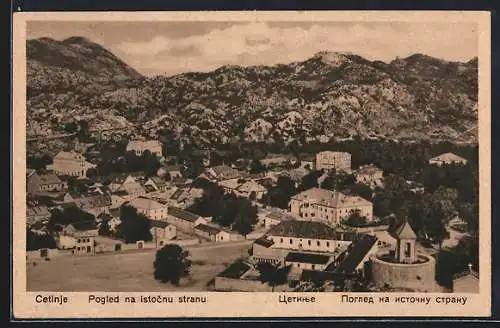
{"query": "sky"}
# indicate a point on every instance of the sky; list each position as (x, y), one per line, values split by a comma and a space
(169, 48)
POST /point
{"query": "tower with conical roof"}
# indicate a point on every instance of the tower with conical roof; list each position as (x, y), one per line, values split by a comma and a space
(406, 239)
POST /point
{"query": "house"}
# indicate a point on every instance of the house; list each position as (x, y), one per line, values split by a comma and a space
(307, 161)
(150, 208)
(173, 171)
(132, 187)
(329, 206)
(466, 281)
(297, 174)
(71, 164)
(369, 175)
(221, 173)
(158, 184)
(446, 159)
(43, 182)
(162, 232)
(37, 213)
(140, 146)
(244, 188)
(95, 204)
(276, 217)
(251, 189)
(308, 261)
(333, 160)
(276, 159)
(356, 256)
(206, 231)
(78, 236)
(184, 220)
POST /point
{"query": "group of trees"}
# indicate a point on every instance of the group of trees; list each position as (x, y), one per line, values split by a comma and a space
(171, 264)
(35, 242)
(134, 226)
(115, 161)
(226, 209)
(66, 216)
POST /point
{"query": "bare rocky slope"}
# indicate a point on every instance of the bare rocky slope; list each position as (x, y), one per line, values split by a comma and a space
(329, 95)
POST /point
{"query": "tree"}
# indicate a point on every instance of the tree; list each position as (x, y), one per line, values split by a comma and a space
(134, 226)
(310, 180)
(35, 242)
(272, 275)
(257, 167)
(246, 217)
(92, 173)
(279, 196)
(104, 228)
(171, 264)
(355, 219)
(71, 127)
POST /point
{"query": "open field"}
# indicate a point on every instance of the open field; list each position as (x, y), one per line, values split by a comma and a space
(129, 271)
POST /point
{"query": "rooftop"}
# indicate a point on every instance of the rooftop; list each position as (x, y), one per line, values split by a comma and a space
(448, 157)
(307, 258)
(402, 230)
(206, 228)
(356, 252)
(330, 198)
(182, 214)
(235, 270)
(145, 203)
(310, 230)
(158, 224)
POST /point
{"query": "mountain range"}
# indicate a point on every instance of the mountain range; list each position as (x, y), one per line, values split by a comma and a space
(331, 94)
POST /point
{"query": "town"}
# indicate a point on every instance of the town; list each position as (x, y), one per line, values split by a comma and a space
(125, 211)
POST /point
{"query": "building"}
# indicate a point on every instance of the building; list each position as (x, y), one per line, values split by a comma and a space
(129, 185)
(184, 220)
(308, 261)
(162, 232)
(333, 160)
(206, 231)
(446, 159)
(71, 164)
(466, 281)
(300, 236)
(140, 146)
(78, 236)
(152, 209)
(307, 161)
(43, 182)
(276, 217)
(277, 159)
(244, 188)
(159, 184)
(95, 204)
(356, 257)
(369, 175)
(328, 206)
(222, 173)
(36, 213)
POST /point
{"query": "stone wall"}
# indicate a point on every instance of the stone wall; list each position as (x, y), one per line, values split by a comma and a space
(419, 276)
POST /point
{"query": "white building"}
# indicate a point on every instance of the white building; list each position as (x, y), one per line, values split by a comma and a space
(447, 158)
(328, 206)
(150, 208)
(140, 146)
(369, 175)
(71, 164)
(333, 160)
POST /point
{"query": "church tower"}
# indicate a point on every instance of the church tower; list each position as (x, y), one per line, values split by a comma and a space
(406, 239)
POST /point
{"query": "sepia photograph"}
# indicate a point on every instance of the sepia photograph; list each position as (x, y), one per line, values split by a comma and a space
(176, 159)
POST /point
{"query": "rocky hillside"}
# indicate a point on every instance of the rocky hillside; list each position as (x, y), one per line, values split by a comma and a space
(328, 95)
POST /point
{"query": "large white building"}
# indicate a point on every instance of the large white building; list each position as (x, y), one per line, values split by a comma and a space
(328, 206)
(140, 146)
(333, 160)
(71, 164)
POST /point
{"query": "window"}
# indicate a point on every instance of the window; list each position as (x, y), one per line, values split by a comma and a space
(327, 244)
(291, 242)
(298, 265)
(407, 250)
(309, 242)
(313, 266)
(281, 240)
(318, 243)
(78, 240)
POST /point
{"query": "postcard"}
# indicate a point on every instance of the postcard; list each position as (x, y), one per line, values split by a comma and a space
(251, 164)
